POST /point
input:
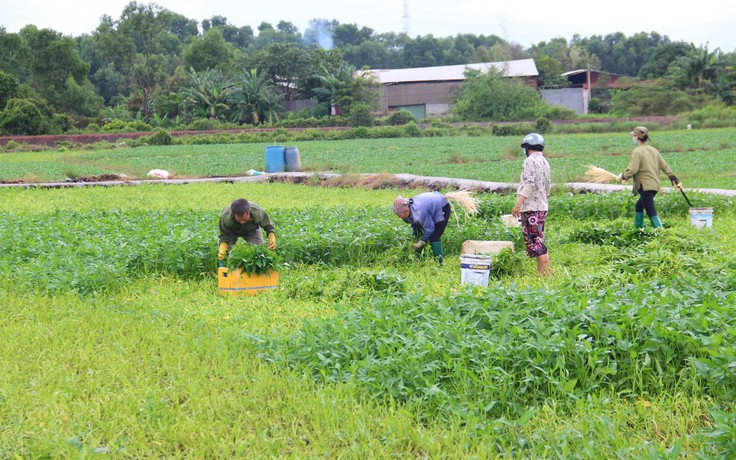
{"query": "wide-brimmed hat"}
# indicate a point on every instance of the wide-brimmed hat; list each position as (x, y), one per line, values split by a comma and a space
(640, 132)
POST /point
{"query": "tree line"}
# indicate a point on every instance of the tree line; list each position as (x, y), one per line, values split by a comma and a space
(163, 69)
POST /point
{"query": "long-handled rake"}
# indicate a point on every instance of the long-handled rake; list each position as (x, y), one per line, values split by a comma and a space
(686, 198)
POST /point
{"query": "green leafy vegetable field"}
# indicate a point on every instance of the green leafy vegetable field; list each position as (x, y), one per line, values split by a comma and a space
(116, 341)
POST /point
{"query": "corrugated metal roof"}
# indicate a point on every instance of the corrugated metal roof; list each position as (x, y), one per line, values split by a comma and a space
(579, 71)
(519, 68)
(575, 72)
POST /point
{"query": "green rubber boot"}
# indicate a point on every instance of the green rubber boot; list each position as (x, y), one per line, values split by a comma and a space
(437, 250)
(656, 222)
(639, 220)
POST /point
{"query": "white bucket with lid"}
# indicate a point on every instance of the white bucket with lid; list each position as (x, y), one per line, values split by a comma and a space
(701, 217)
(475, 269)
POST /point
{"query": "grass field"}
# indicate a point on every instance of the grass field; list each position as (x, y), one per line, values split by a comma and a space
(702, 159)
(115, 341)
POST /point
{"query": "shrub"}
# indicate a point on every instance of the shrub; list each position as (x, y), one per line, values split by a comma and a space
(12, 145)
(594, 105)
(210, 124)
(653, 99)
(23, 117)
(492, 96)
(360, 132)
(385, 132)
(710, 116)
(543, 125)
(510, 130)
(360, 115)
(400, 117)
(161, 137)
(8, 88)
(137, 126)
(412, 130)
(558, 112)
(63, 122)
(114, 125)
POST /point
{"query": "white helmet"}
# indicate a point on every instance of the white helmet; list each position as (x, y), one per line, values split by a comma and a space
(533, 140)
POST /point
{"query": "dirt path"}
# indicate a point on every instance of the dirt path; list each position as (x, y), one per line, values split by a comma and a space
(374, 181)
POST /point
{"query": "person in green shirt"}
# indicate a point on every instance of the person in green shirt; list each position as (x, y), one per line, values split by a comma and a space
(247, 220)
(644, 167)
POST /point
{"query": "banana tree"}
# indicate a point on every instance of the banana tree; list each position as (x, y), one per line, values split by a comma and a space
(207, 93)
(254, 98)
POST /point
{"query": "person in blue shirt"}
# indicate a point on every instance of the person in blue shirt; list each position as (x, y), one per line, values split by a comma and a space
(428, 214)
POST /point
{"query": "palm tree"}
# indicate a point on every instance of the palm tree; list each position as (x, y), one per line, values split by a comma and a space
(698, 70)
(207, 93)
(254, 98)
(337, 86)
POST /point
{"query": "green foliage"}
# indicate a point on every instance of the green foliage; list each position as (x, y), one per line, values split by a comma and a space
(710, 116)
(507, 263)
(511, 129)
(399, 117)
(255, 99)
(8, 87)
(360, 115)
(114, 126)
(76, 99)
(493, 97)
(558, 112)
(63, 122)
(698, 68)
(114, 288)
(488, 157)
(207, 52)
(161, 137)
(477, 356)
(620, 54)
(594, 105)
(542, 125)
(207, 94)
(253, 259)
(127, 127)
(653, 99)
(209, 124)
(722, 438)
(11, 145)
(23, 116)
(412, 130)
(351, 285)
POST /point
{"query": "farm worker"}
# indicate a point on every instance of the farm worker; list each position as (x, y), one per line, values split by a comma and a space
(428, 214)
(644, 167)
(531, 203)
(243, 219)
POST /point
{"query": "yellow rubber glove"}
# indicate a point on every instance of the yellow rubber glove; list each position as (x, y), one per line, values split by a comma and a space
(271, 241)
(222, 253)
(419, 245)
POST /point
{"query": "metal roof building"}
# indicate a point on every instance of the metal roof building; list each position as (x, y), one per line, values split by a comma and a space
(427, 91)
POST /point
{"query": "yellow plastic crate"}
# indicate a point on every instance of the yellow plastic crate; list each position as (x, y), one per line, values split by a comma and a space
(241, 284)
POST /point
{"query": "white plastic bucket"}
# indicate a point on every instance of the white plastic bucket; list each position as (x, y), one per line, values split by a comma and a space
(701, 217)
(475, 269)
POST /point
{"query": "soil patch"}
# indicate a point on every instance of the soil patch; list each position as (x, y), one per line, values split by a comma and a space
(98, 178)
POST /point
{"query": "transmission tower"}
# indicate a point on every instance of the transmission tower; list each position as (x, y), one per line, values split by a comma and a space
(405, 17)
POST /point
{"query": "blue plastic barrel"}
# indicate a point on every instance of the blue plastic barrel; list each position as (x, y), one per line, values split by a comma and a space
(275, 159)
(292, 159)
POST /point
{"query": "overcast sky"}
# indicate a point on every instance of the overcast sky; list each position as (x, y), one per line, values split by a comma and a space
(707, 22)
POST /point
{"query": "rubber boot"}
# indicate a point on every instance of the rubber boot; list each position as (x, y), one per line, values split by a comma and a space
(437, 250)
(656, 222)
(639, 220)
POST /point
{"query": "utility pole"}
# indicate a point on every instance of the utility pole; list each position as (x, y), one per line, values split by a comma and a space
(405, 17)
